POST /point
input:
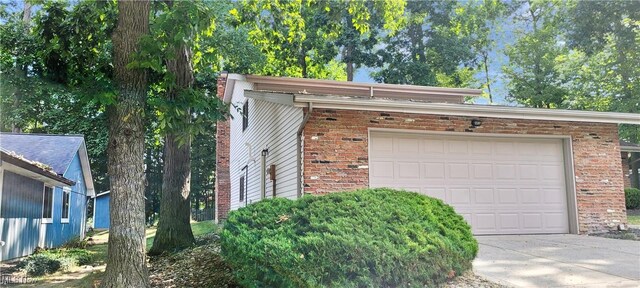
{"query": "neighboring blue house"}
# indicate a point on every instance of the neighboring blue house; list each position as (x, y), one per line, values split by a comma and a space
(101, 210)
(62, 208)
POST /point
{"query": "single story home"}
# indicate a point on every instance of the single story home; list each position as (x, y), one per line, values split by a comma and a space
(44, 184)
(101, 218)
(506, 170)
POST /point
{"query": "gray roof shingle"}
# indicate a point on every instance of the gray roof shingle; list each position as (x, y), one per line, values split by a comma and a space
(56, 151)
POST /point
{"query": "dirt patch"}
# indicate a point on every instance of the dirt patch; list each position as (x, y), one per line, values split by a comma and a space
(630, 234)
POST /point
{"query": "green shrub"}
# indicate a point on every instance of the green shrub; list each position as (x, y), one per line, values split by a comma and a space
(366, 238)
(632, 198)
(39, 264)
(49, 261)
(76, 242)
(69, 257)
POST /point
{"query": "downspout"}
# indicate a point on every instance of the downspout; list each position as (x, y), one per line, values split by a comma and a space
(299, 148)
(263, 172)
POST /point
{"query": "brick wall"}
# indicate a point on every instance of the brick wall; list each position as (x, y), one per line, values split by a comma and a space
(222, 177)
(336, 155)
(625, 169)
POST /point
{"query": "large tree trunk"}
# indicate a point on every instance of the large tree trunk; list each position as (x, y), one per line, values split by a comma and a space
(174, 231)
(126, 262)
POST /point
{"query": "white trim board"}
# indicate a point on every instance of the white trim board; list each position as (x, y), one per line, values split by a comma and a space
(471, 110)
(1, 191)
(62, 219)
(53, 198)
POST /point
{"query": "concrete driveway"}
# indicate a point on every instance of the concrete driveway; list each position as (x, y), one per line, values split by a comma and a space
(558, 261)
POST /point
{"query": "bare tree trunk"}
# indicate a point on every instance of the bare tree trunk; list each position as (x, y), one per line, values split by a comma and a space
(349, 61)
(126, 263)
(20, 70)
(485, 57)
(174, 231)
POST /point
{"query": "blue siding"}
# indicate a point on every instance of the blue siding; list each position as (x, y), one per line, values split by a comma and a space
(57, 232)
(21, 215)
(101, 217)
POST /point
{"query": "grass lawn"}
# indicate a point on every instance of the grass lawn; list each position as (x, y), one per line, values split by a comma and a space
(86, 277)
(198, 228)
(633, 219)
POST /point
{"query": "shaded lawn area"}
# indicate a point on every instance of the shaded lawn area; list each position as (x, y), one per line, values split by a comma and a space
(633, 219)
(198, 228)
(89, 275)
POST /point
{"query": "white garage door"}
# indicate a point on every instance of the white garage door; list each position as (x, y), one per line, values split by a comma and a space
(499, 185)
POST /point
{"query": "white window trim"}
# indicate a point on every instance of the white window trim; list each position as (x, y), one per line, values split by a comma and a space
(65, 220)
(53, 196)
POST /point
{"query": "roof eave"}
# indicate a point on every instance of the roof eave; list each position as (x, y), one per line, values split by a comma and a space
(629, 149)
(32, 169)
(351, 103)
(86, 169)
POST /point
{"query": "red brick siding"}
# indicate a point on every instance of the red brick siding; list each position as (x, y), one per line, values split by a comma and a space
(625, 169)
(223, 181)
(336, 154)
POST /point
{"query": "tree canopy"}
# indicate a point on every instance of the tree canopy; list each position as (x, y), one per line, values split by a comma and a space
(57, 68)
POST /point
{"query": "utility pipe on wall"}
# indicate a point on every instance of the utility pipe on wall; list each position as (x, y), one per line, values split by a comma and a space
(299, 148)
(263, 174)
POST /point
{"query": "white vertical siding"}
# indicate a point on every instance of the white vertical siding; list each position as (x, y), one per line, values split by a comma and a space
(271, 126)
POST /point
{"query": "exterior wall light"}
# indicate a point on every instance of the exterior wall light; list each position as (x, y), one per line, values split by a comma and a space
(476, 123)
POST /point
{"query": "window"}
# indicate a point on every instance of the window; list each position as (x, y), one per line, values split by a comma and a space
(47, 205)
(66, 195)
(245, 115)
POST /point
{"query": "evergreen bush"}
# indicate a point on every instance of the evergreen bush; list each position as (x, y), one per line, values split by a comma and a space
(632, 198)
(367, 238)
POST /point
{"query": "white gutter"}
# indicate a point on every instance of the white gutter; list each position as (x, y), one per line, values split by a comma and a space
(630, 148)
(351, 103)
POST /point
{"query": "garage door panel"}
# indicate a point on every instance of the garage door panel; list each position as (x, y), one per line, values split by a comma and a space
(458, 170)
(509, 221)
(484, 221)
(435, 192)
(499, 185)
(382, 169)
(432, 146)
(459, 196)
(406, 146)
(483, 196)
(482, 171)
(380, 145)
(457, 147)
(433, 170)
(408, 170)
(481, 148)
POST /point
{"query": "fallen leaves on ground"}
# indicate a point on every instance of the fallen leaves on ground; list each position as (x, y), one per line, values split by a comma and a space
(200, 266)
